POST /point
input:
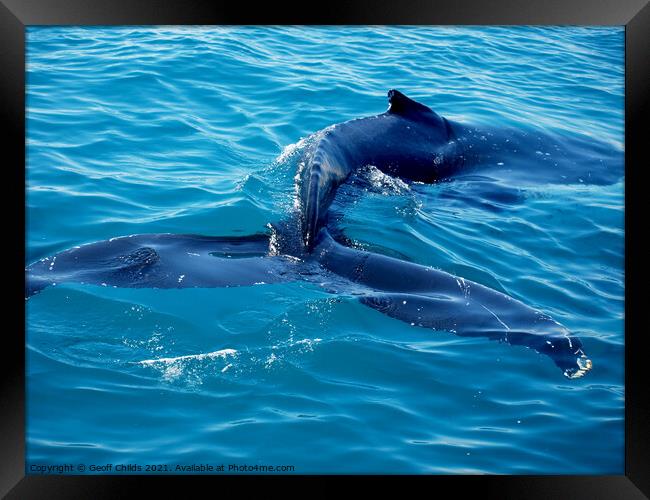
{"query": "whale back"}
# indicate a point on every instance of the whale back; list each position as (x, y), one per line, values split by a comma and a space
(162, 261)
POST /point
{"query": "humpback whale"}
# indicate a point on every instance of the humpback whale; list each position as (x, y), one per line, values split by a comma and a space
(412, 142)
(421, 296)
(409, 141)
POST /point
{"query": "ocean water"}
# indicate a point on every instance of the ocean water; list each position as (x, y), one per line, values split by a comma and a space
(196, 130)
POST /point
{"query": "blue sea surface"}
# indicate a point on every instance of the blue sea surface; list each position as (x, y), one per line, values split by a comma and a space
(196, 130)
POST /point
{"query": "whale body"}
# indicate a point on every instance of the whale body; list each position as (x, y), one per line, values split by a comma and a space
(421, 296)
(412, 142)
(409, 141)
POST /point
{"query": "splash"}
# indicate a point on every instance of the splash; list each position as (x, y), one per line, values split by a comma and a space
(208, 355)
(186, 366)
(383, 183)
(290, 151)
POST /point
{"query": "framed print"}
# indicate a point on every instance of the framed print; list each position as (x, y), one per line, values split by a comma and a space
(358, 243)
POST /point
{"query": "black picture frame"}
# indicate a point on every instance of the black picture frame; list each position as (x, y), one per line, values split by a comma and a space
(15, 15)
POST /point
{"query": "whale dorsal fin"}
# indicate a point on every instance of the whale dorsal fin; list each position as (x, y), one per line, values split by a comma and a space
(399, 104)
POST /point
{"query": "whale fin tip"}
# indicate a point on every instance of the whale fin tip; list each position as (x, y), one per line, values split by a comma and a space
(402, 105)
